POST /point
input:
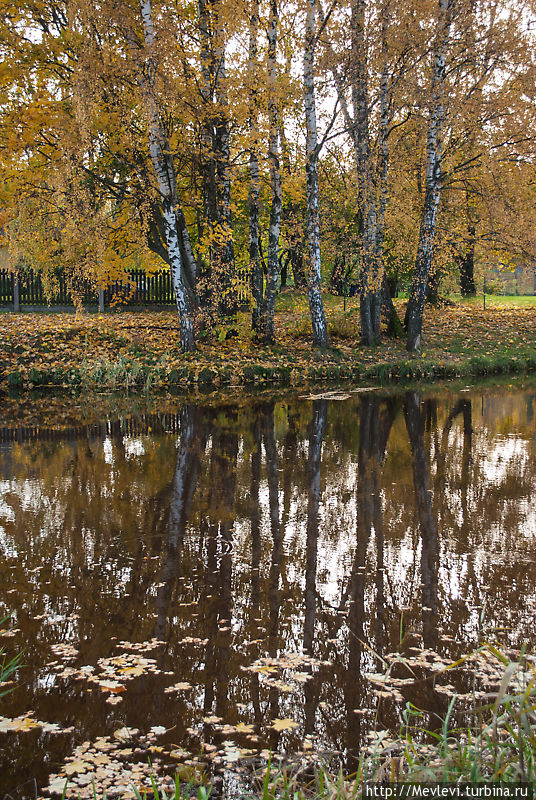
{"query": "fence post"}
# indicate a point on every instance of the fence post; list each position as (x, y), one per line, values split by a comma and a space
(101, 300)
(16, 294)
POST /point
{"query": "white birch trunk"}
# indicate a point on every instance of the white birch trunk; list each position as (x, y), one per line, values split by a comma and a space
(275, 182)
(423, 260)
(257, 280)
(189, 264)
(164, 168)
(318, 317)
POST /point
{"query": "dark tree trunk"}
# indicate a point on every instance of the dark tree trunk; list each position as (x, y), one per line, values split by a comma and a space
(466, 264)
(427, 522)
(395, 328)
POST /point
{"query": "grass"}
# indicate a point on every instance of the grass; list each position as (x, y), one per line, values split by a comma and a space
(502, 300)
(7, 667)
(140, 351)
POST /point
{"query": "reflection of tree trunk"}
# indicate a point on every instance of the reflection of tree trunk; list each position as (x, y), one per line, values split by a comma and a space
(256, 549)
(318, 426)
(315, 453)
(211, 611)
(219, 575)
(368, 411)
(374, 429)
(467, 446)
(463, 406)
(290, 457)
(425, 511)
(277, 539)
(184, 483)
(381, 428)
(225, 448)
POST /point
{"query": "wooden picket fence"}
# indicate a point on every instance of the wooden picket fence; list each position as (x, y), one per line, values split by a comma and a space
(140, 289)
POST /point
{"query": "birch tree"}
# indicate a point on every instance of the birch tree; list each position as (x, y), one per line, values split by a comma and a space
(369, 139)
(257, 278)
(267, 321)
(164, 168)
(318, 318)
(434, 150)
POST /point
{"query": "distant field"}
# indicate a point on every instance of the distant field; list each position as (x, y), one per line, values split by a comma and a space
(503, 300)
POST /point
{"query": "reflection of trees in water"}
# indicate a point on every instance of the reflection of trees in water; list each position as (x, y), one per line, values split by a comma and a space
(374, 429)
(426, 516)
(181, 492)
(227, 517)
(274, 607)
(316, 438)
(221, 517)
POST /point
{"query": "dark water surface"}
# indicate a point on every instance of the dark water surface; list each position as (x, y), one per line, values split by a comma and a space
(272, 548)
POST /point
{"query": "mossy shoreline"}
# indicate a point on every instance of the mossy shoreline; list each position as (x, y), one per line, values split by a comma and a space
(141, 351)
(137, 375)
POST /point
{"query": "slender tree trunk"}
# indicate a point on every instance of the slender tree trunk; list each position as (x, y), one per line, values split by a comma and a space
(318, 317)
(275, 182)
(320, 408)
(208, 163)
(164, 168)
(257, 277)
(466, 263)
(187, 255)
(383, 298)
(216, 169)
(427, 521)
(228, 304)
(368, 276)
(423, 261)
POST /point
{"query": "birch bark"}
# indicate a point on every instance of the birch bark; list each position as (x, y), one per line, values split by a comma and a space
(316, 308)
(257, 279)
(423, 260)
(275, 182)
(164, 168)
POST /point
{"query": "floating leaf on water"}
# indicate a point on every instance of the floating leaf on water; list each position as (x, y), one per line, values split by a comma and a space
(57, 785)
(75, 767)
(125, 733)
(283, 724)
(178, 687)
(242, 727)
(114, 699)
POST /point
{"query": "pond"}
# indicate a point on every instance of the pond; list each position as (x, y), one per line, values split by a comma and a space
(224, 575)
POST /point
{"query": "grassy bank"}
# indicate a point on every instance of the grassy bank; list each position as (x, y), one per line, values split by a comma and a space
(141, 351)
